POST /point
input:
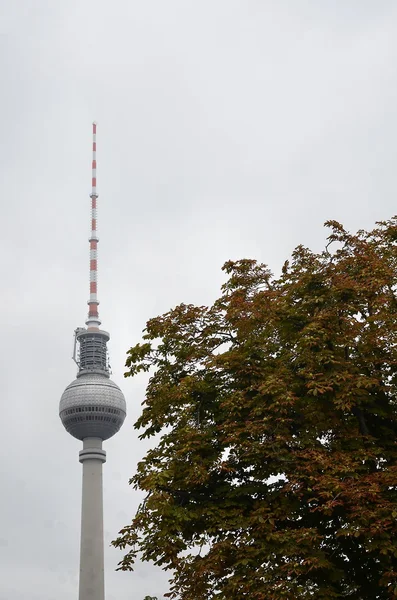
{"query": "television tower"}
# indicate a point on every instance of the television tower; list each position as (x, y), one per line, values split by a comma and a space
(92, 409)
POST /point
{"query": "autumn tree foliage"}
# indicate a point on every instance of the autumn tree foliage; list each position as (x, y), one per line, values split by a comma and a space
(274, 471)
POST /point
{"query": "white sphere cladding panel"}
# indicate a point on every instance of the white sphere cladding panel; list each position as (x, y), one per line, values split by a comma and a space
(92, 406)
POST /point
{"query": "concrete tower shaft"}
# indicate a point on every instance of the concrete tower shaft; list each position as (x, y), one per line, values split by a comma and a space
(92, 576)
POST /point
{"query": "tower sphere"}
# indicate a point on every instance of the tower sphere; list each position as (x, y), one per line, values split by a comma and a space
(92, 406)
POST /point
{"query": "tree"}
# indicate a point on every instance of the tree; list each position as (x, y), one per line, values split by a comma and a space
(275, 474)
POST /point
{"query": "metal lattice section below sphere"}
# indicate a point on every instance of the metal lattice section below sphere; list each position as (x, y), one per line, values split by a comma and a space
(92, 406)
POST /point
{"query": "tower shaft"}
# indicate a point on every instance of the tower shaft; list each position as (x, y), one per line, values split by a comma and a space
(92, 579)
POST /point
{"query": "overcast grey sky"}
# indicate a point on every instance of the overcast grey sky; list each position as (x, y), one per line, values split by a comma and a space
(226, 129)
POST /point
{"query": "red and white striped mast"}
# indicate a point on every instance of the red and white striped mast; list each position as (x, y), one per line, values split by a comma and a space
(93, 321)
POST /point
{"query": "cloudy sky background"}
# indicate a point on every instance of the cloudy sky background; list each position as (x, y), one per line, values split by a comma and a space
(226, 129)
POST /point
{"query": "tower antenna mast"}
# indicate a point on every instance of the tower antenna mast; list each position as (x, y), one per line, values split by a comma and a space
(93, 317)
